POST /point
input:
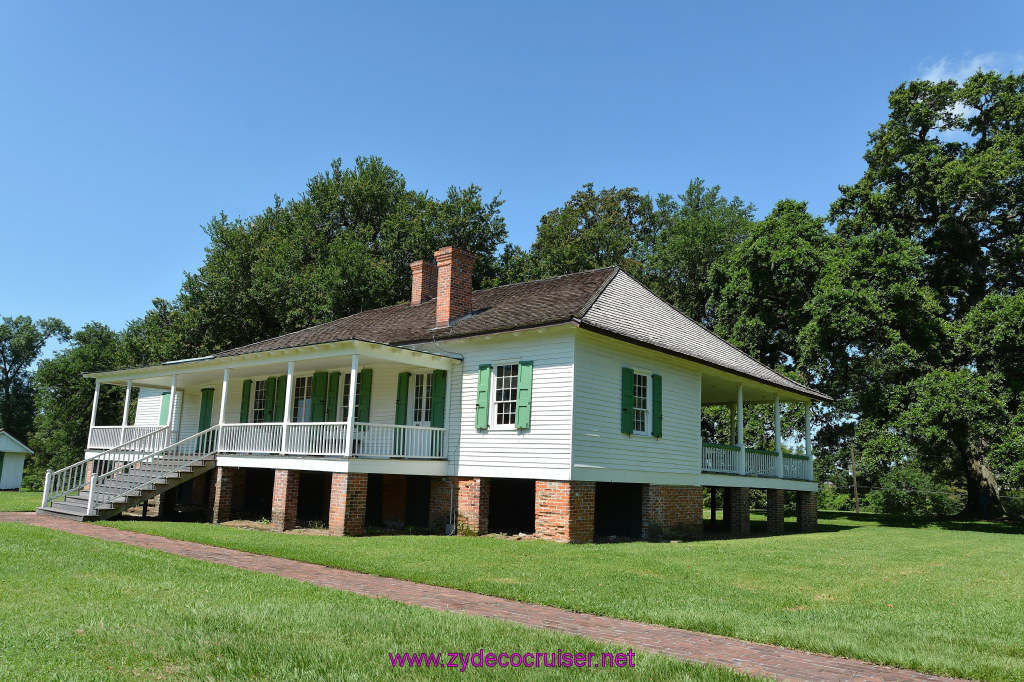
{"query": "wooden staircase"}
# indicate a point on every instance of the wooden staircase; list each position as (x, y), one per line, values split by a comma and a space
(105, 485)
(127, 489)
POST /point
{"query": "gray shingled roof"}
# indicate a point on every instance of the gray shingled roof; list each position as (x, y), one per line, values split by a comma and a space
(627, 309)
(606, 300)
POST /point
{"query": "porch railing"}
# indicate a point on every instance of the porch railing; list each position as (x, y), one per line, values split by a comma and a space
(725, 459)
(106, 437)
(72, 479)
(330, 439)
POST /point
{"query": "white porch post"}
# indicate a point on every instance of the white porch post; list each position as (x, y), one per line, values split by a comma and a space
(739, 430)
(124, 413)
(289, 389)
(779, 464)
(223, 405)
(807, 443)
(170, 409)
(350, 423)
(95, 407)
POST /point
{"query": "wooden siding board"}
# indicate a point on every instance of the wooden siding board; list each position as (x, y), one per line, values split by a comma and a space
(597, 440)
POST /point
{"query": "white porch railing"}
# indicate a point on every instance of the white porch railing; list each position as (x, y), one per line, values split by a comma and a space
(393, 440)
(761, 463)
(797, 467)
(250, 438)
(106, 437)
(329, 439)
(71, 479)
(323, 438)
(720, 459)
(725, 459)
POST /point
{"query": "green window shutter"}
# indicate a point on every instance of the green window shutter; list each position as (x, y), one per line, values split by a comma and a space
(1, 465)
(437, 394)
(524, 394)
(282, 393)
(206, 409)
(319, 402)
(402, 401)
(627, 400)
(656, 405)
(365, 384)
(165, 407)
(243, 416)
(332, 397)
(483, 396)
(268, 399)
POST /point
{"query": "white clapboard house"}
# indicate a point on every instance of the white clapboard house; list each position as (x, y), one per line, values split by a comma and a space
(561, 407)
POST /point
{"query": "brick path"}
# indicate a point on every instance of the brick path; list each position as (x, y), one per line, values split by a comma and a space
(747, 657)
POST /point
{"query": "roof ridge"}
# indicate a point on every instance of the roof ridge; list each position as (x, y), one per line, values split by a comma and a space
(600, 290)
(546, 279)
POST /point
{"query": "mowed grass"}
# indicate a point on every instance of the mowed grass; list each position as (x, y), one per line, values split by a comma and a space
(76, 608)
(942, 598)
(18, 501)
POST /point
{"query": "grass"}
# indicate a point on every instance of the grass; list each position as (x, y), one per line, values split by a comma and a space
(77, 608)
(941, 598)
(16, 501)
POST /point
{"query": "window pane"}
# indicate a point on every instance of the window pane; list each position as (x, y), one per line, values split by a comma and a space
(639, 403)
(505, 386)
(259, 401)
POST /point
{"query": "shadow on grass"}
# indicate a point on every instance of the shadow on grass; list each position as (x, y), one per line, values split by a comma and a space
(892, 521)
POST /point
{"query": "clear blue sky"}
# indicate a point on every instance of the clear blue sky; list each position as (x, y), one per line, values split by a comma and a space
(125, 126)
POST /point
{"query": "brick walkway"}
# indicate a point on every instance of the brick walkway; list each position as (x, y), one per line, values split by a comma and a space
(748, 657)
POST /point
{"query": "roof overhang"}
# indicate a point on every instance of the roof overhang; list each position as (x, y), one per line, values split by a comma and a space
(366, 350)
(9, 443)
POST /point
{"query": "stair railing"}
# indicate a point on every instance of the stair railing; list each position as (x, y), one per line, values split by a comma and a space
(71, 479)
(132, 477)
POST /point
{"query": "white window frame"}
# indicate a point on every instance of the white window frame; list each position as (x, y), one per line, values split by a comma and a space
(493, 397)
(648, 413)
(343, 386)
(307, 383)
(256, 388)
(428, 383)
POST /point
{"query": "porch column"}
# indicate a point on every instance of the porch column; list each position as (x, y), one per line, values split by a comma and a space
(286, 419)
(124, 413)
(742, 469)
(778, 439)
(170, 409)
(350, 423)
(807, 443)
(223, 405)
(95, 407)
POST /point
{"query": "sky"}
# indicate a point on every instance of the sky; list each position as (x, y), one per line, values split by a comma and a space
(124, 127)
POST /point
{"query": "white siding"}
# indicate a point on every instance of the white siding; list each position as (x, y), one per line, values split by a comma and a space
(147, 410)
(600, 451)
(10, 477)
(544, 450)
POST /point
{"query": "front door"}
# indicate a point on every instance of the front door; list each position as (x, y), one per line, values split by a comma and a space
(206, 417)
(422, 388)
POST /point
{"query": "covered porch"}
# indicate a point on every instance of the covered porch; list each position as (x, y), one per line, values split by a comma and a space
(723, 461)
(292, 402)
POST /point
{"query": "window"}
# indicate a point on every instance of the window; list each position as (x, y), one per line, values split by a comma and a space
(422, 402)
(302, 401)
(506, 383)
(344, 395)
(641, 405)
(259, 401)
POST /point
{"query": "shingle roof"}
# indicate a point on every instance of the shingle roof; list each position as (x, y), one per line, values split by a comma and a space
(628, 309)
(606, 300)
(513, 306)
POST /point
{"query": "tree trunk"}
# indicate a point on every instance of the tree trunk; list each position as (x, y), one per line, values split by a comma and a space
(982, 492)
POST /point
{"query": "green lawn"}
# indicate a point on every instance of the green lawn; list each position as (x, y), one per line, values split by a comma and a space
(14, 501)
(938, 598)
(76, 608)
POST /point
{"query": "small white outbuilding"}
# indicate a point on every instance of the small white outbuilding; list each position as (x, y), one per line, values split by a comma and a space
(12, 461)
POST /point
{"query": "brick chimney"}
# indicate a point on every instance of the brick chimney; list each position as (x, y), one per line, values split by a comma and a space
(424, 281)
(454, 284)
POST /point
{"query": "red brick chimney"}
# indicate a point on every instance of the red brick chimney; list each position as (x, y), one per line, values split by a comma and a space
(454, 284)
(424, 281)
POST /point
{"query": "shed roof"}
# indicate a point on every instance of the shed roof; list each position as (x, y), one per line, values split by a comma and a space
(9, 443)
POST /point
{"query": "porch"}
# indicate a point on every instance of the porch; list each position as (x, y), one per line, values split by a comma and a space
(736, 459)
